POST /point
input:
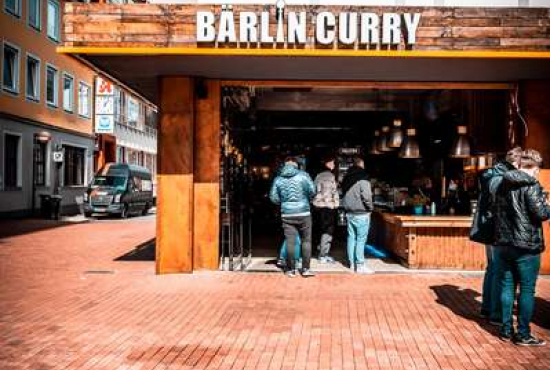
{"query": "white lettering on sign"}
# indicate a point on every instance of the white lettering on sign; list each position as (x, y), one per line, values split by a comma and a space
(297, 28)
(292, 27)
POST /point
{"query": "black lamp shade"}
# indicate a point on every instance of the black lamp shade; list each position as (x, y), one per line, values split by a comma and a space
(374, 144)
(461, 147)
(410, 148)
(383, 140)
(396, 135)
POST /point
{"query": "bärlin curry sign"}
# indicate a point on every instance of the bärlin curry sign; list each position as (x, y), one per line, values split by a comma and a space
(306, 27)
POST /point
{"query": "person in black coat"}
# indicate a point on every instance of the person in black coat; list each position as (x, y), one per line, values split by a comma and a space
(521, 206)
(483, 231)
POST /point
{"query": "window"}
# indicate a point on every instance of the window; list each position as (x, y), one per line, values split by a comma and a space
(84, 100)
(68, 92)
(120, 98)
(53, 20)
(73, 172)
(12, 162)
(40, 163)
(13, 7)
(52, 86)
(34, 13)
(33, 78)
(10, 69)
(132, 113)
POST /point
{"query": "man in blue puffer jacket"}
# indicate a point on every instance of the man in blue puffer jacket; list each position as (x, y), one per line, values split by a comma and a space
(293, 190)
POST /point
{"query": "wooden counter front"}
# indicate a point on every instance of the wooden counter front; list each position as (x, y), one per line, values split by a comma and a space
(429, 242)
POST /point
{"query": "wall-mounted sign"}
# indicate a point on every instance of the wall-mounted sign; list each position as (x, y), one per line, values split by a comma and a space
(104, 107)
(57, 156)
(292, 27)
(104, 87)
(104, 124)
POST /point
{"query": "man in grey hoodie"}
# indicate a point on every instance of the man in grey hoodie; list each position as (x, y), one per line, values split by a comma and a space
(293, 190)
(358, 205)
(326, 203)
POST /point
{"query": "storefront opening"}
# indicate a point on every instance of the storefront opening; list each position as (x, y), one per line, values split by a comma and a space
(457, 133)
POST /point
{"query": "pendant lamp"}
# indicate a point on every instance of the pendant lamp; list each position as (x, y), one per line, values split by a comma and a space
(374, 144)
(396, 135)
(461, 147)
(410, 148)
(383, 140)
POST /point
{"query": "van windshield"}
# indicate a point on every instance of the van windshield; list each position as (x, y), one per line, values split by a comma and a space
(114, 181)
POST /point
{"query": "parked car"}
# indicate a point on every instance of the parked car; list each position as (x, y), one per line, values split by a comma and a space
(119, 189)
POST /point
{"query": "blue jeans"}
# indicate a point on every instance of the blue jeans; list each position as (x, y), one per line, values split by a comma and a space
(490, 304)
(518, 266)
(358, 230)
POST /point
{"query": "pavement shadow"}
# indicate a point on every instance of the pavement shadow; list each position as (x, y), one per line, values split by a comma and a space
(11, 228)
(143, 252)
(464, 303)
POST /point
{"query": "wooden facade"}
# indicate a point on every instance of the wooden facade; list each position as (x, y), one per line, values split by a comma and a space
(468, 28)
(188, 136)
(430, 242)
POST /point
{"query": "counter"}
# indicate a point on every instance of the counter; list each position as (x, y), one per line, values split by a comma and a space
(429, 242)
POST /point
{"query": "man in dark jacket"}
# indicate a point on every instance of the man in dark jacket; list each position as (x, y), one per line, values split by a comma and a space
(483, 231)
(293, 190)
(520, 208)
(358, 205)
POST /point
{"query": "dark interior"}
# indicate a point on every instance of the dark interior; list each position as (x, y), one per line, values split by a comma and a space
(267, 124)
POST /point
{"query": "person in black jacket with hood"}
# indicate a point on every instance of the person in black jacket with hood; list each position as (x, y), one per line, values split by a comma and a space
(483, 231)
(521, 207)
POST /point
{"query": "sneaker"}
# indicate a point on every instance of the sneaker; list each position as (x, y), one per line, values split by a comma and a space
(323, 260)
(307, 273)
(363, 270)
(290, 273)
(505, 337)
(529, 341)
(281, 263)
(329, 259)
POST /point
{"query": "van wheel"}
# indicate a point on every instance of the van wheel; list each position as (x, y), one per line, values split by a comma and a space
(145, 210)
(124, 213)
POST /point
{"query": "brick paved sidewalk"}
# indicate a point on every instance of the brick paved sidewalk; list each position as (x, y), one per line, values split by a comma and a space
(57, 311)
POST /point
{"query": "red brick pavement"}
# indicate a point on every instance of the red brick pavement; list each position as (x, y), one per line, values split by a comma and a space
(54, 315)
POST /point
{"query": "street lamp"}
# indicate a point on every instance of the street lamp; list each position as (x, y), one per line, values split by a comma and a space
(41, 137)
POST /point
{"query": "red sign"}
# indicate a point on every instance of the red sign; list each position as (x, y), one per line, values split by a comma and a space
(104, 87)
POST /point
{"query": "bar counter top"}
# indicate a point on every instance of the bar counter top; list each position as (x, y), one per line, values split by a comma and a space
(444, 221)
(429, 242)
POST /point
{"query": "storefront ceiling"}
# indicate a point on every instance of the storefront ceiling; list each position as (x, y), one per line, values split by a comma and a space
(142, 72)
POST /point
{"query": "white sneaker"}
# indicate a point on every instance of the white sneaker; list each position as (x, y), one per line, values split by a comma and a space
(364, 270)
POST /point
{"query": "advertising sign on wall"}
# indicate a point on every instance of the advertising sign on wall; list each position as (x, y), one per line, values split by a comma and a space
(104, 107)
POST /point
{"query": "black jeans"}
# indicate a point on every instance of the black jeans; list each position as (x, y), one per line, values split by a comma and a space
(293, 226)
(326, 217)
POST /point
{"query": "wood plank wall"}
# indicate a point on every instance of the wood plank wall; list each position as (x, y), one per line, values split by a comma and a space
(174, 247)
(148, 25)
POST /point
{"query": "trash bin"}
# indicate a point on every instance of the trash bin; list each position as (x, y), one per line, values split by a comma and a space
(55, 202)
(45, 205)
(50, 206)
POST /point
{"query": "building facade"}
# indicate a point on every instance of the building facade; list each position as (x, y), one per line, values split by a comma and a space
(46, 106)
(131, 132)
(183, 56)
